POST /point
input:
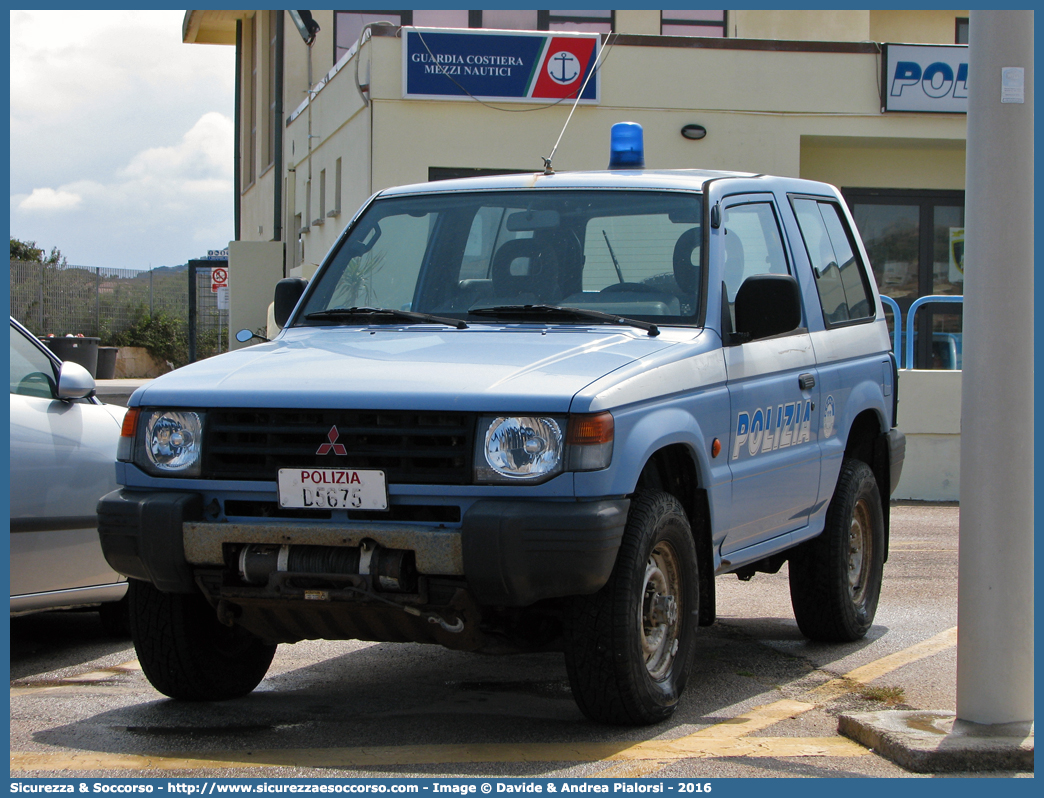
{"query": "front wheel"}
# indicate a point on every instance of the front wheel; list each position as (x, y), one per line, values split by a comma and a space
(630, 646)
(186, 653)
(835, 579)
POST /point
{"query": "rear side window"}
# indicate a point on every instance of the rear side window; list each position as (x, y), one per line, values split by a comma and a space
(840, 278)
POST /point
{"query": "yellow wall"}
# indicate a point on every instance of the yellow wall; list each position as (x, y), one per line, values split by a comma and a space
(644, 22)
(884, 163)
(830, 26)
(934, 27)
(254, 267)
(927, 27)
(766, 111)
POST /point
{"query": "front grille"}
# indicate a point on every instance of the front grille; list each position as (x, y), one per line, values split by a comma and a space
(410, 447)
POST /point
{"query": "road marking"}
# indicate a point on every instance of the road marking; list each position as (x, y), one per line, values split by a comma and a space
(729, 738)
(81, 679)
(733, 729)
(660, 751)
(762, 717)
(878, 668)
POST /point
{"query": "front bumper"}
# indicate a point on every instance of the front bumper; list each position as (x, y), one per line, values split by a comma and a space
(511, 553)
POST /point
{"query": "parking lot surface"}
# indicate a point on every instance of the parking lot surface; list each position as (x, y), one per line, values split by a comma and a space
(763, 701)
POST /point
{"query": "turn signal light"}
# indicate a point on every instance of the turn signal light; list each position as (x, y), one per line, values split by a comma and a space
(591, 430)
(130, 423)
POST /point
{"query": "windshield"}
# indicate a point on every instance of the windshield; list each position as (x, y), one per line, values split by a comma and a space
(626, 253)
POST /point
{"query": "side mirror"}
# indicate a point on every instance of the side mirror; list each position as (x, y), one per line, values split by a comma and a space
(74, 381)
(766, 305)
(287, 292)
(248, 335)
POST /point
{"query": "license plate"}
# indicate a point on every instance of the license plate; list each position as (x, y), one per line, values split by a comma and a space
(332, 488)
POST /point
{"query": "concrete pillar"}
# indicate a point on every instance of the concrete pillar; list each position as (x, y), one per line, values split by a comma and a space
(995, 590)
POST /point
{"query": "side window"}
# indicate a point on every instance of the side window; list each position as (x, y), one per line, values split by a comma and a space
(840, 279)
(752, 244)
(32, 373)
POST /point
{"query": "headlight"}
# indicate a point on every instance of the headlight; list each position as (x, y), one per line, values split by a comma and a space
(519, 448)
(512, 449)
(169, 442)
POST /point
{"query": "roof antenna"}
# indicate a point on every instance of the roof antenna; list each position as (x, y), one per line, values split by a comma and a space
(548, 169)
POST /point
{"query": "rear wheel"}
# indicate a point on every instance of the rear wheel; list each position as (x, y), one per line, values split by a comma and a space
(835, 579)
(630, 646)
(185, 652)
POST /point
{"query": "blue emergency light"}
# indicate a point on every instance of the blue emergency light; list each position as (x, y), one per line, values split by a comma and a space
(626, 148)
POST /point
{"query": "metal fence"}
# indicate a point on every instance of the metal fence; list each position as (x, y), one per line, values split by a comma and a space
(102, 302)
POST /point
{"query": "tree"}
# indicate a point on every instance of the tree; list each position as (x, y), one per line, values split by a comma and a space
(28, 251)
(25, 250)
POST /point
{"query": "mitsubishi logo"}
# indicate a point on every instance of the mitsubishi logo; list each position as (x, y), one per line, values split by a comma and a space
(332, 446)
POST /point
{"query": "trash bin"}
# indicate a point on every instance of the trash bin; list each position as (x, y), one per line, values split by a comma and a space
(79, 350)
(107, 362)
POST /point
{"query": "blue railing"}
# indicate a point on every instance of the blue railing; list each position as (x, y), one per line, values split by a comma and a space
(918, 303)
(897, 332)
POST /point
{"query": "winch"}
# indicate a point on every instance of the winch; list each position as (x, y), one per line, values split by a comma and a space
(391, 570)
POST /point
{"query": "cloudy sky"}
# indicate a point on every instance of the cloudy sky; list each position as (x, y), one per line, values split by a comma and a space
(121, 137)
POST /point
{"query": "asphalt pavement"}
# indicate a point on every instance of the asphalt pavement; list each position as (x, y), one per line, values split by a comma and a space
(763, 701)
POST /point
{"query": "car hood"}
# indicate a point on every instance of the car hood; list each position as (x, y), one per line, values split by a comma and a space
(511, 368)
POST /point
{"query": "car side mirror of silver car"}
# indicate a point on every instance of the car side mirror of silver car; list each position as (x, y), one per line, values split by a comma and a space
(74, 381)
(249, 335)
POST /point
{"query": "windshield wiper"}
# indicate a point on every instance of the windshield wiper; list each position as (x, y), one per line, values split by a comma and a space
(552, 311)
(384, 314)
(612, 255)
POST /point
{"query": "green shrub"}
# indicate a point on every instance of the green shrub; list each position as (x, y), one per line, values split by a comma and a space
(163, 335)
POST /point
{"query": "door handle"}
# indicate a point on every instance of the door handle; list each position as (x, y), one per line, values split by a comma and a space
(807, 382)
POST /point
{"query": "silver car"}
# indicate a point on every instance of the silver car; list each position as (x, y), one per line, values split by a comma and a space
(63, 454)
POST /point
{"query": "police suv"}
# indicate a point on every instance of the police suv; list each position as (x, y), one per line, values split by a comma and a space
(525, 413)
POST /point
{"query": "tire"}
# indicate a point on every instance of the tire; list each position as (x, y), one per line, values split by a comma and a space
(186, 653)
(629, 647)
(835, 579)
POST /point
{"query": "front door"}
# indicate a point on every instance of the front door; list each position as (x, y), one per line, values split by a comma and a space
(773, 391)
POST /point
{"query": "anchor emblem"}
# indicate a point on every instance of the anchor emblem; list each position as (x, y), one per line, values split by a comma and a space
(566, 65)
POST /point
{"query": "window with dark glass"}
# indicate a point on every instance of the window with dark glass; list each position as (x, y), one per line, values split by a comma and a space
(840, 279)
(915, 242)
(961, 33)
(698, 22)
